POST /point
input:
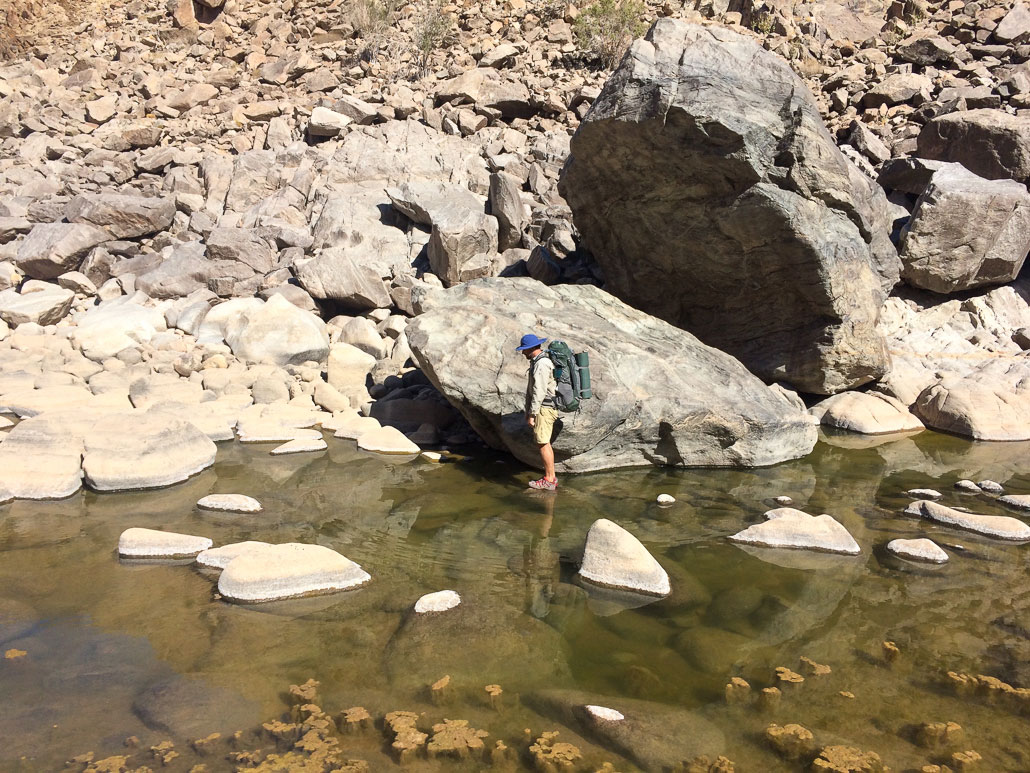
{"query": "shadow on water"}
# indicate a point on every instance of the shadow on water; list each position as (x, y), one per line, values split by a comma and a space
(114, 650)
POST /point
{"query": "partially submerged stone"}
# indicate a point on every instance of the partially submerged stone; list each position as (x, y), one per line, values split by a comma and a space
(149, 543)
(924, 493)
(1018, 501)
(604, 714)
(918, 550)
(614, 558)
(287, 571)
(967, 486)
(300, 446)
(790, 528)
(666, 499)
(1000, 526)
(234, 503)
(440, 601)
(386, 440)
(219, 558)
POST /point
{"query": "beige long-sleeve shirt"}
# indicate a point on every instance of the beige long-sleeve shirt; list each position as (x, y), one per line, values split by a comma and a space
(541, 384)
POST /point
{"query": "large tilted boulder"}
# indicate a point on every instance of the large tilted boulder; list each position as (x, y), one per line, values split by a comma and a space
(966, 231)
(278, 333)
(706, 185)
(660, 396)
(988, 142)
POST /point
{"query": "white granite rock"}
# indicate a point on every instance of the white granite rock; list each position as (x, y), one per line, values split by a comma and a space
(968, 485)
(300, 446)
(666, 499)
(355, 427)
(790, 528)
(924, 493)
(991, 487)
(1018, 501)
(235, 503)
(387, 440)
(272, 432)
(440, 601)
(288, 571)
(614, 558)
(604, 714)
(1000, 526)
(150, 543)
(41, 459)
(918, 550)
(219, 558)
(44, 307)
(869, 413)
(783, 501)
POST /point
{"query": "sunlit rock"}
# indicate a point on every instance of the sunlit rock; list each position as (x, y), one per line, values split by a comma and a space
(614, 558)
(150, 543)
(287, 571)
(440, 601)
(790, 528)
(918, 550)
(1000, 526)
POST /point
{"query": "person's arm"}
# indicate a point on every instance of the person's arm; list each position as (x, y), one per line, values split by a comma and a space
(538, 389)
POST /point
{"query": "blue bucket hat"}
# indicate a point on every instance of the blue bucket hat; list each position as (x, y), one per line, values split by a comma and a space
(530, 341)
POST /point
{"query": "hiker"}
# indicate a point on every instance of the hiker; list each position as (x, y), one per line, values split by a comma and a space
(541, 413)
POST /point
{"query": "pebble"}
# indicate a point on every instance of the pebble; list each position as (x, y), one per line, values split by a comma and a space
(604, 714)
(783, 501)
(666, 499)
(440, 601)
(235, 503)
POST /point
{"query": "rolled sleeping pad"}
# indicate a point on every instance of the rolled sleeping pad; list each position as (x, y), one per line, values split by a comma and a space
(583, 370)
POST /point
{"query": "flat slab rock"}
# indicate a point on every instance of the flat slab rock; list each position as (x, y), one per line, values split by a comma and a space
(614, 558)
(440, 601)
(150, 543)
(1000, 526)
(790, 528)
(219, 558)
(387, 440)
(234, 503)
(291, 570)
(918, 550)
(299, 446)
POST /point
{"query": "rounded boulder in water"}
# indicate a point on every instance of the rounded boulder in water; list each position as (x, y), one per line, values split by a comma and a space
(288, 571)
(614, 558)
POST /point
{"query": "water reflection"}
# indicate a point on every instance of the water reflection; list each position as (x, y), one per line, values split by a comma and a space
(525, 622)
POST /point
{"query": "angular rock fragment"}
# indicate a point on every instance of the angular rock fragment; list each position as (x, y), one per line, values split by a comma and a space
(918, 550)
(289, 570)
(790, 528)
(123, 216)
(44, 307)
(614, 558)
(987, 142)
(51, 249)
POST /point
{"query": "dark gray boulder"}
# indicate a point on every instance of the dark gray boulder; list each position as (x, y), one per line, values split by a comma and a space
(711, 193)
(661, 397)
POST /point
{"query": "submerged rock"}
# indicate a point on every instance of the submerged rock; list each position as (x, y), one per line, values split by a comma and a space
(1000, 526)
(1018, 501)
(150, 543)
(614, 558)
(440, 601)
(288, 571)
(662, 397)
(190, 708)
(790, 528)
(918, 550)
(701, 125)
(219, 558)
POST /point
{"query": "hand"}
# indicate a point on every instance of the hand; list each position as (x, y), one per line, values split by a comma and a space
(529, 420)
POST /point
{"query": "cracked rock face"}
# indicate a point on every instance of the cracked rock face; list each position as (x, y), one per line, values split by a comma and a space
(707, 186)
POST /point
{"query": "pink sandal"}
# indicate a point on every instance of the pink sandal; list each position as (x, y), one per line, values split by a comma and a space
(544, 485)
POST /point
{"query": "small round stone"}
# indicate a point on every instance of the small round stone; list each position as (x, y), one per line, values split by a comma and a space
(604, 714)
(666, 499)
(233, 503)
(784, 501)
(440, 601)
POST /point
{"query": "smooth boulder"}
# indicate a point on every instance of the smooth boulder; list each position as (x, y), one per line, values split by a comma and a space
(982, 409)
(219, 558)
(868, 413)
(151, 543)
(231, 503)
(277, 333)
(287, 571)
(614, 558)
(966, 232)
(708, 188)
(661, 397)
(123, 216)
(790, 528)
(1000, 526)
(918, 550)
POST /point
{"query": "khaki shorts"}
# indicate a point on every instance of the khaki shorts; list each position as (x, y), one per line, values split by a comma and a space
(543, 424)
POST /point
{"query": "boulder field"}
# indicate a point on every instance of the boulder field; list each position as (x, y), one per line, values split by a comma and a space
(660, 395)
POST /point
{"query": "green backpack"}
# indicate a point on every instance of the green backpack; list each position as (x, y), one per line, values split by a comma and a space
(571, 376)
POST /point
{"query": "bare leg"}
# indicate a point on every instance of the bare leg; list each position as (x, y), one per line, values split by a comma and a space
(547, 454)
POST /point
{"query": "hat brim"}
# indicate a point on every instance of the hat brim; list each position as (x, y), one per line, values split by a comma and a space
(533, 345)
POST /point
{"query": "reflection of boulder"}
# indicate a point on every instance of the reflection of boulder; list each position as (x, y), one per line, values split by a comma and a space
(653, 735)
(661, 396)
(475, 641)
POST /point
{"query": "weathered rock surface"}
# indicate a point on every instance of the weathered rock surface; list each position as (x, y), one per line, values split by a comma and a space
(233, 503)
(51, 249)
(614, 558)
(279, 333)
(39, 459)
(43, 307)
(966, 232)
(219, 558)
(977, 408)
(440, 601)
(286, 571)
(122, 216)
(987, 142)
(699, 125)
(918, 550)
(790, 528)
(1018, 501)
(869, 413)
(1000, 526)
(661, 396)
(385, 440)
(150, 543)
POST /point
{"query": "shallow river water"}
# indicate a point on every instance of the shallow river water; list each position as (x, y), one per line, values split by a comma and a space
(114, 650)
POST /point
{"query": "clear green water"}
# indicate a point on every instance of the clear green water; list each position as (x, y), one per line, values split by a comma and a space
(98, 632)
